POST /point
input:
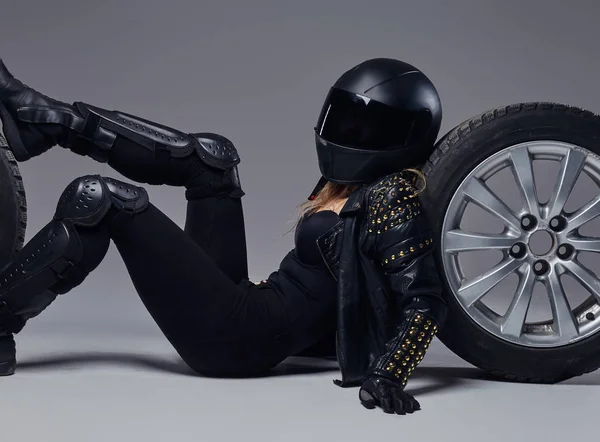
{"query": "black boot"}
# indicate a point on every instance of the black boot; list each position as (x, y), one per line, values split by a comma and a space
(19, 105)
(8, 361)
(33, 123)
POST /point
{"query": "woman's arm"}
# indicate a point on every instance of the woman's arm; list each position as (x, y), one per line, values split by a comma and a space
(401, 243)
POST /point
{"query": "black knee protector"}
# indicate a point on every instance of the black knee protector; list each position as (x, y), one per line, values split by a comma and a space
(216, 150)
(88, 199)
(29, 283)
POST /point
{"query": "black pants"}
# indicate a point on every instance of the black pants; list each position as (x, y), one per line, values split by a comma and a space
(194, 282)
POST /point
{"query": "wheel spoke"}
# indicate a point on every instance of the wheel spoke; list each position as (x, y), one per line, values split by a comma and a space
(459, 241)
(564, 321)
(514, 319)
(586, 213)
(472, 291)
(523, 172)
(571, 166)
(483, 196)
(584, 276)
(586, 244)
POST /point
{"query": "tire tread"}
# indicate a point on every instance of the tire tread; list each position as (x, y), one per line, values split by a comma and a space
(18, 189)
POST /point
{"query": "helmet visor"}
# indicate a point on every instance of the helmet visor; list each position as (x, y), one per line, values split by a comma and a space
(354, 120)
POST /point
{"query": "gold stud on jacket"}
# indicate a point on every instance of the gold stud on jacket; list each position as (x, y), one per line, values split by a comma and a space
(408, 349)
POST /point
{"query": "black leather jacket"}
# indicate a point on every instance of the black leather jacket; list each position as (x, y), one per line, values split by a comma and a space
(381, 254)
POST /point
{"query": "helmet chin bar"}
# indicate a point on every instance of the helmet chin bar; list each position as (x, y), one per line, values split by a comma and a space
(346, 165)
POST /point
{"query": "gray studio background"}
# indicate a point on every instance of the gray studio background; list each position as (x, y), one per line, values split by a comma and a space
(257, 72)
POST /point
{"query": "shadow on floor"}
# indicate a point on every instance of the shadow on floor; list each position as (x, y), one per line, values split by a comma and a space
(174, 365)
(70, 361)
(471, 373)
(438, 377)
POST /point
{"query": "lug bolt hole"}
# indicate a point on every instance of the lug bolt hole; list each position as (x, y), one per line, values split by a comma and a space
(558, 223)
(565, 251)
(590, 316)
(541, 267)
(518, 250)
(528, 222)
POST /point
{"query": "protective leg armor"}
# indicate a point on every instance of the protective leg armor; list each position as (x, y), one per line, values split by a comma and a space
(33, 123)
(48, 265)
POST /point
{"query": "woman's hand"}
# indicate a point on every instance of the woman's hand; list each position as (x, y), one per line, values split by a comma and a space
(391, 397)
(264, 281)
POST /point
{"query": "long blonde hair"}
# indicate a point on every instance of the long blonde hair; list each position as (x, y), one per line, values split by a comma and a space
(333, 192)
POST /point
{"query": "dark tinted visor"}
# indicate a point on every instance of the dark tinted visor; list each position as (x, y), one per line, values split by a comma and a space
(355, 121)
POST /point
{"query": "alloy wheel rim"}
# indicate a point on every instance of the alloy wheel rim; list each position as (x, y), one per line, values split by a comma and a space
(519, 257)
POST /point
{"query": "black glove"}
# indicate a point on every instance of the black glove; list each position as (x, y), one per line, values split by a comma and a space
(390, 396)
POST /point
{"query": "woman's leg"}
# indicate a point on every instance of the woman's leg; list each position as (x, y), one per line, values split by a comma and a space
(214, 214)
(143, 151)
(216, 325)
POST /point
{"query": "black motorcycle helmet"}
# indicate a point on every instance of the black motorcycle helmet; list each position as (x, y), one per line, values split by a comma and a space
(379, 117)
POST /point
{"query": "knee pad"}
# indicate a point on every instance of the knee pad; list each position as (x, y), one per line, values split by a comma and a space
(88, 199)
(216, 150)
(85, 201)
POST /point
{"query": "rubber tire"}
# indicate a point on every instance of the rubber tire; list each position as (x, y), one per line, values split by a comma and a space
(13, 205)
(455, 156)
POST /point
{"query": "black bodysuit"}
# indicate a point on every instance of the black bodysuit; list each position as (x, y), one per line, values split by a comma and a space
(194, 282)
(307, 233)
(308, 288)
(306, 236)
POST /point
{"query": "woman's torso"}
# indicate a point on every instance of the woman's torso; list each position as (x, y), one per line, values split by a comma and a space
(310, 228)
(317, 282)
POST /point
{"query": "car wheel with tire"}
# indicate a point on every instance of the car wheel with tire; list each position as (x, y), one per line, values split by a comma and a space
(510, 194)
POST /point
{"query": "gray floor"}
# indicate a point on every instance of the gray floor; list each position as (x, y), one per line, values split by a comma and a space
(105, 386)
